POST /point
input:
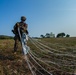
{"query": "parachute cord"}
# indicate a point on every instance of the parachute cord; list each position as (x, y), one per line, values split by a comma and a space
(35, 68)
(29, 65)
(25, 56)
(40, 65)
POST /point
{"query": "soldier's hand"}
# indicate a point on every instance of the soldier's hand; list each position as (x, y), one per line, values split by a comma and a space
(18, 25)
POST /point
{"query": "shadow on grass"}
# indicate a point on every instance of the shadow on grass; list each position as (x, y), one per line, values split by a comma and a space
(8, 57)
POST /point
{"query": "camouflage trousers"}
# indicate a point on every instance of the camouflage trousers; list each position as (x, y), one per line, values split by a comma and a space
(17, 40)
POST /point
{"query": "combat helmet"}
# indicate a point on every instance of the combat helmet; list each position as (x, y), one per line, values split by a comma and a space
(23, 18)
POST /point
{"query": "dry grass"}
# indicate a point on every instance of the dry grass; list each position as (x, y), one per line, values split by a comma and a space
(11, 64)
(66, 45)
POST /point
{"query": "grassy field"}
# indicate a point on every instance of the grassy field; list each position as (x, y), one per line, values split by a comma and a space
(11, 64)
(55, 55)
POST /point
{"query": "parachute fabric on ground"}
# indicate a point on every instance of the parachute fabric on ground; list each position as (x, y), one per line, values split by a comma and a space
(71, 63)
(51, 50)
(35, 67)
(39, 59)
(25, 49)
(54, 63)
(23, 42)
(50, 60)
(56, 54)
(62, 53)
(40, 65)
(26, 58)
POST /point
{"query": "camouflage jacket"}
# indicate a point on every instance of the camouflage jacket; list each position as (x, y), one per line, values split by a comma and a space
(23, 28)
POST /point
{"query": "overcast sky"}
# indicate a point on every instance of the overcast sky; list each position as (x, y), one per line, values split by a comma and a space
(43, 16)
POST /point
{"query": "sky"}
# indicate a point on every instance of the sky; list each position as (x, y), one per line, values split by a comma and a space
(43, 16)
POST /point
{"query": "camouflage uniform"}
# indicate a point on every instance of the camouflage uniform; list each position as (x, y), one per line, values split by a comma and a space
(23, 28)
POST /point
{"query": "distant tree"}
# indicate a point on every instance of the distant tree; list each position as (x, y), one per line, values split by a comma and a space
(67, 35)
(60, 34)
(42, 36)
(47, 35)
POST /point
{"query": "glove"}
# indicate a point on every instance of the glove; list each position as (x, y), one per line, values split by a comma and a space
(17, 24)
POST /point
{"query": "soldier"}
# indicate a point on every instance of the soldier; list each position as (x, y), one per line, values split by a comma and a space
(23, 28)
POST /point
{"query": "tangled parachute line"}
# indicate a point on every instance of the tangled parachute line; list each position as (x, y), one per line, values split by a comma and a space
(26, 50)
(60, 59)
(55, 59)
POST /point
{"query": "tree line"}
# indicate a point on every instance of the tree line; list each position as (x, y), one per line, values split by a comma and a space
(5, 37)
(49, 35)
